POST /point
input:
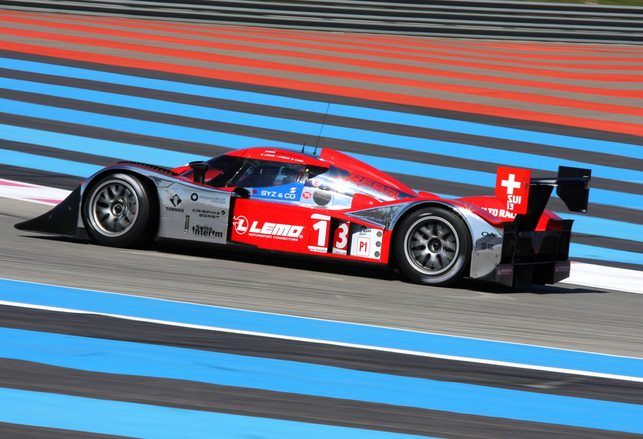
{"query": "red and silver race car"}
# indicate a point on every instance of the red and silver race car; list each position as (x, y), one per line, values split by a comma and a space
(332, 205)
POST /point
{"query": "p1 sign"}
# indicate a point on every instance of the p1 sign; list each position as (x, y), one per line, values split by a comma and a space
(512, 187)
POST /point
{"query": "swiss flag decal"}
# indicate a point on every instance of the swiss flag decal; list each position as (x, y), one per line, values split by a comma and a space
(512, 187)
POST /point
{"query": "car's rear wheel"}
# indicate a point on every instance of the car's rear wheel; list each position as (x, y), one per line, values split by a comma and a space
(433, 246)
(117, 211)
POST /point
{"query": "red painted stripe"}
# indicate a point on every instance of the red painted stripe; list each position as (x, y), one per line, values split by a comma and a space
(504, 45)
(13, 183)
(440, 47)
(379, 79)
(502, 58)
(444, 43)
(627, 94)
(454, 44)
(619, 127)
(376, 50)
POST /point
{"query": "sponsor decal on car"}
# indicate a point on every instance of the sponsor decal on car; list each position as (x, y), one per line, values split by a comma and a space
(500, 213)
(215, 199)
(562, 267)
(287, 193)
(505, 270)
(240, 224)
(367, 243)
(206, 231)
(175, 200)
(512, 187)
(365, 184)
(265, 229)
(204, 213)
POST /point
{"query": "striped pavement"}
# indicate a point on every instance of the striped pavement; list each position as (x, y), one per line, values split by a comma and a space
(131, 366)
(79, 93)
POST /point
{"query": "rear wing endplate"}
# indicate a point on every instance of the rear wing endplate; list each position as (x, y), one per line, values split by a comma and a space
(572, 186)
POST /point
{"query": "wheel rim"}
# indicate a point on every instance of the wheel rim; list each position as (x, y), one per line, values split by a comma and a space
(432, 245)
(113, 208)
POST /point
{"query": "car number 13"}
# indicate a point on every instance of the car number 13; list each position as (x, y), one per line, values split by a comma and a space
(319, 241)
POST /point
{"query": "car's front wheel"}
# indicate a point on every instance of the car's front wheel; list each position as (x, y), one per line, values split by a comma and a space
(117, 211)
(433, 246)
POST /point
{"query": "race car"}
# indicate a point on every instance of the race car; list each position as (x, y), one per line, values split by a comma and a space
(330, 204)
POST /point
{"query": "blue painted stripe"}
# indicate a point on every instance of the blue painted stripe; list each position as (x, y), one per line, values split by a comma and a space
(164, 85)
(41, 163)
(581, 144)
(456, 150)
(147, 128)
(602, 227)
(155, 422)
(118, 357)
(605, 254)
(105, 148)
(194, 314)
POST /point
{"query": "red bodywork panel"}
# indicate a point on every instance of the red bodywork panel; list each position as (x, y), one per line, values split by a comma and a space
(291, 228)
(277, 155)
(497, 208)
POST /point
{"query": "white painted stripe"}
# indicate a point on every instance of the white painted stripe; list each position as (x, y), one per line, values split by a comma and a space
(32, 192)
(336, 343)
(609, 278)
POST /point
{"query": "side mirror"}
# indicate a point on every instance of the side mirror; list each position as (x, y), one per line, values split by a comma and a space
(199, 169)
(241, 192)
(363, 201)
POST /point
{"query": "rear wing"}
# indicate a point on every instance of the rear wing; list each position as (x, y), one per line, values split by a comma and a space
(572, 186)
(531, 257)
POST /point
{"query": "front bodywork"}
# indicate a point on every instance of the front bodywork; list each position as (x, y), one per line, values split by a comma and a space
(187, 211)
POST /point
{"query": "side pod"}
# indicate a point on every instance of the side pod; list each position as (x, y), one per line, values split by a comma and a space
(61, 220)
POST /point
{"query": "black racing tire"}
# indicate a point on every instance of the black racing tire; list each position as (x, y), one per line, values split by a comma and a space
(433, 246)
(118, 211)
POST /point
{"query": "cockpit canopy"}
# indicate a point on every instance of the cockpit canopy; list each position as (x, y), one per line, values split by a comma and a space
(330, 180)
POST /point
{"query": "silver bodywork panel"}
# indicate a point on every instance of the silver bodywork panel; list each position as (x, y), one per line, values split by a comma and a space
(187, 211)
(193, 213)
(486, 239)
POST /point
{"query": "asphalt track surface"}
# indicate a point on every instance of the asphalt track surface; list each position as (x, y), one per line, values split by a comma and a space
(566, 317)
(557, 316)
